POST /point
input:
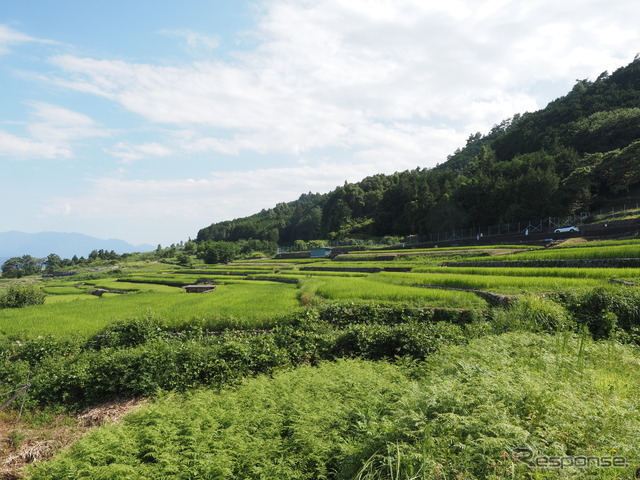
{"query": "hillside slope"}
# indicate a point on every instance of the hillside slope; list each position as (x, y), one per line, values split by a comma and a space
(575, 155)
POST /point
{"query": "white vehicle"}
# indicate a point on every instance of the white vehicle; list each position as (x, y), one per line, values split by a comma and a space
(566, 229)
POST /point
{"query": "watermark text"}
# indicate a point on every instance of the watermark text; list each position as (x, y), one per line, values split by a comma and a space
(529, 456)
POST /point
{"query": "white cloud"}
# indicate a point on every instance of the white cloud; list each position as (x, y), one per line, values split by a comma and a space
(346, 74)
(194, 40)
(221, 194)
(12, 146)
(51, 134)
(57, 124)
(9, 37)
(129, 153)
(190, 204)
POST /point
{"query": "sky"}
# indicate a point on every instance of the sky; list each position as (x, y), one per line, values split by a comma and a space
(147, 120)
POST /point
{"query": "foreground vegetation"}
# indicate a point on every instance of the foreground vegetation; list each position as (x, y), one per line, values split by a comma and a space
(464, 413)
(354, 368)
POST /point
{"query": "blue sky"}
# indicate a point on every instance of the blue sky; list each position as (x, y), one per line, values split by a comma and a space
(148, 120)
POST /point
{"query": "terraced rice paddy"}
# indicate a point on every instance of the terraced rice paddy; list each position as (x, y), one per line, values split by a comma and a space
(255, 294)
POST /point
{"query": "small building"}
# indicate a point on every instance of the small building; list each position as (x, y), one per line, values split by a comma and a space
(199, 288)
(320, 252)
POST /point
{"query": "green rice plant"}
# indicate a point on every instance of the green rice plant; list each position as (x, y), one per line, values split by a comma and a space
(275, 278)
(314, 273)
(242, 271)
(600, 243)
(572, 253)
(568, 272)
(285, 262)
(80, 297)
(491, 283)
(407, 260)
(125, 286)
(64, 290)
(339, 289)
(183, 279)
(162, 279)
(241, 305)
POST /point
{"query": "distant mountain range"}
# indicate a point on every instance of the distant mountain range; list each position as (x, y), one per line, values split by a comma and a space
(66, 245)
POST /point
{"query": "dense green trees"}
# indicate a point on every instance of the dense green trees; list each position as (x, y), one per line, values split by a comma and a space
(17, 267)
(217, 252)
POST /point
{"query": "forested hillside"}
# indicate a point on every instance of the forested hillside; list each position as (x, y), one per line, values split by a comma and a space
(579, 153)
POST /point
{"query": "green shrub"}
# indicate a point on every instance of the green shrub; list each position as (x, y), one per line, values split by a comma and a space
(351, 313)
(17, 296)
(129, 333)
(142, 356)
(35, 350)
(413, 340)
(605, 310)
(533, 313)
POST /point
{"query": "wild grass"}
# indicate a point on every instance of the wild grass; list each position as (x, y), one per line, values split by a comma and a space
(460, 414)
(613, 215)
(464, 414)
